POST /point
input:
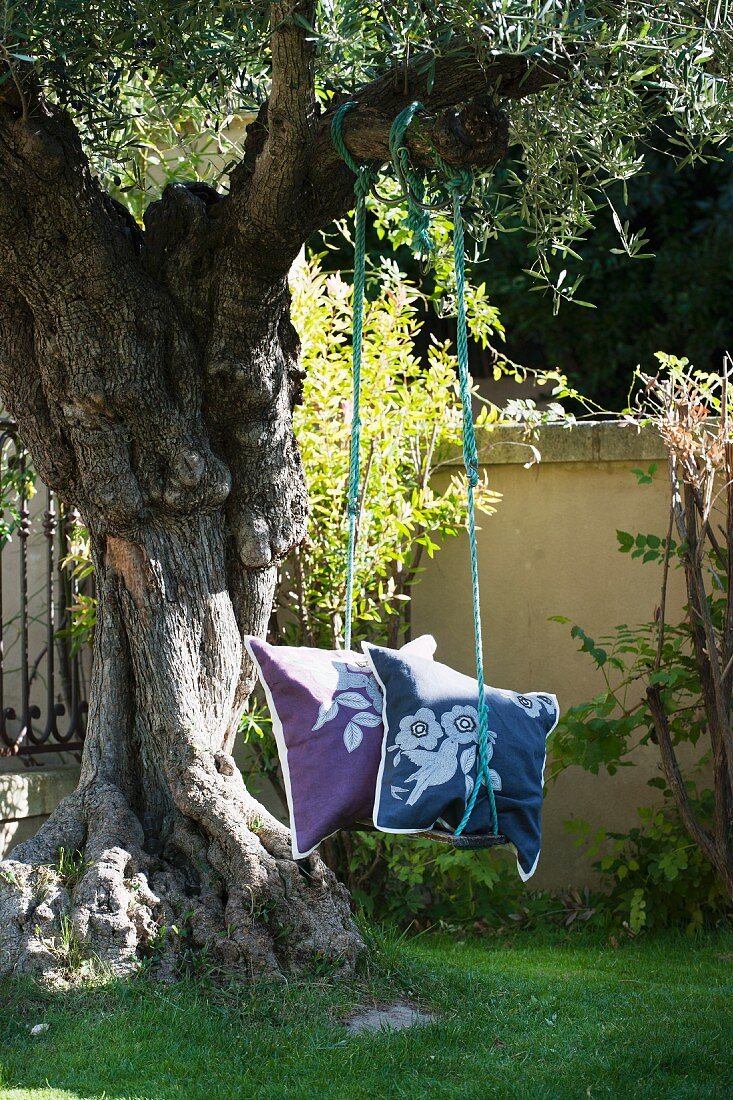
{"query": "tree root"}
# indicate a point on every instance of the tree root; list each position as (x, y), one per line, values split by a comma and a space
(222, 892)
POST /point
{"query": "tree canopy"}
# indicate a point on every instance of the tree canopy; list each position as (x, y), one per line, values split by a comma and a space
(583, 84)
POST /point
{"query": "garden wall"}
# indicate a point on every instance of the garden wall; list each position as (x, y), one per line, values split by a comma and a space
(551, 549)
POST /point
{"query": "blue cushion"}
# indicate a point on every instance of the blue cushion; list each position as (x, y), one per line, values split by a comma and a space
(429, 753)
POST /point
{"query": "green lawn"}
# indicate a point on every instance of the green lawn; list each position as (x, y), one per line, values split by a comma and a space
(554, 1016)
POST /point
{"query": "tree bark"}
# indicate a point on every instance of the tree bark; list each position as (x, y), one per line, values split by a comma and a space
(153, 374)
(156, 398)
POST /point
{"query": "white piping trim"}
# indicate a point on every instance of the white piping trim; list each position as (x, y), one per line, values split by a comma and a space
(528, 875)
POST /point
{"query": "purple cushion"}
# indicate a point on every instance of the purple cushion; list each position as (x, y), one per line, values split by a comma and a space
(326, 709)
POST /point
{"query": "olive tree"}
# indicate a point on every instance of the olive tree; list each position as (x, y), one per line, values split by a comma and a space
(152, 367)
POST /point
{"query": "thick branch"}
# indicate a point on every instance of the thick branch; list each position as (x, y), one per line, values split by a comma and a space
(675, 779)
(116, 372)
(445, 81)
(263, 200)
(476, 136)
(462, 121)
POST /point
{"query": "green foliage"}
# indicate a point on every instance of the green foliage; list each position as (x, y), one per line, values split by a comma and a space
(605, 732)
(70, 867)
(17, 480)
(411, 430)
(674, 301)
(654, 876)
(422, 883)
(83, 608)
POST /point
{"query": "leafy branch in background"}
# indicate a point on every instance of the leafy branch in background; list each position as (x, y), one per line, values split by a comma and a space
(671, 684)
(83, 608)
(17, 480)
(411, 431)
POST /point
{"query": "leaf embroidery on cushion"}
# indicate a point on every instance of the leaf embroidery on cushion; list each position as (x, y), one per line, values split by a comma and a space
(325, 714)
(364, 705)
(352, 700)
(353, 736)
(468, 759)
(367, 718)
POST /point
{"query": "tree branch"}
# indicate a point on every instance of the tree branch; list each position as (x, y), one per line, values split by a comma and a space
(444, 81)
(263, 193)
(462, 119)
(292, 180)
(674, 776)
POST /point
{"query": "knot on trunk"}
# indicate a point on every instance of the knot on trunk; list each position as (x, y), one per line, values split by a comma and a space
(478, 135)
(129, 561)
(224, 763)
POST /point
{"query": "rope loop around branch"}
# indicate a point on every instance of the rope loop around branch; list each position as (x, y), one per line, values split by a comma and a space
(366, 176)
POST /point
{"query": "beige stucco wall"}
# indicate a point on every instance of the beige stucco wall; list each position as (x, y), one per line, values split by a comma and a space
(550, 549)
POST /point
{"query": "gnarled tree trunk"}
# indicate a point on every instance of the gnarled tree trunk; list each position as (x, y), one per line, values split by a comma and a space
(153, 374)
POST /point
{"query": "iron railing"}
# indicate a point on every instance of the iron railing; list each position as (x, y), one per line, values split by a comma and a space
(43, 675)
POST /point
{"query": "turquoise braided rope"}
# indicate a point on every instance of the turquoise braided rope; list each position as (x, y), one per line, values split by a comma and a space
(459, 179)
(470, 459)
(365, 178)
(413, 186)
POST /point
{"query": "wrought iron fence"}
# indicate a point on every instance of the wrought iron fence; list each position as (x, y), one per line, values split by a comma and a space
(43, 674)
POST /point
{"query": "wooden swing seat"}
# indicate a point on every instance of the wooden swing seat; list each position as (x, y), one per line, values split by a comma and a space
(472, 842)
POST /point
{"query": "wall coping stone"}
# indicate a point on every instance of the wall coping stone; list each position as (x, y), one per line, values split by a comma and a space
(35, 792)
(588, 441)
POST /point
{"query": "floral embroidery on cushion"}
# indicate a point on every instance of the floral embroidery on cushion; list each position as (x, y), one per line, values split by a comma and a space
(419, 730)
(529, 703)
(418, 740)
(461, 724)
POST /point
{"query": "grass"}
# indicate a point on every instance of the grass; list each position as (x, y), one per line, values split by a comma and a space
(559, 1015)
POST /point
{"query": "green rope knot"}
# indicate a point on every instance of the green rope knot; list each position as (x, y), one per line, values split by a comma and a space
(413, 185)
(457, 178)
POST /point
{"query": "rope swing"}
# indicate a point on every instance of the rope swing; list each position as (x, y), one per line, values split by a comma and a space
(458, 183)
